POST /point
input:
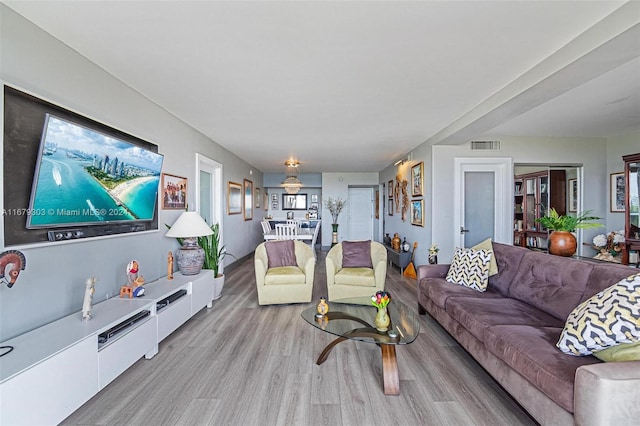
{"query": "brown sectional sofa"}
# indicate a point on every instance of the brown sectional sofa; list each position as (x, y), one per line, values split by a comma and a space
(512, 328)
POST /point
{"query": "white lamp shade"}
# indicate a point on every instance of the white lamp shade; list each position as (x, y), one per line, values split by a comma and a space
(189, 225)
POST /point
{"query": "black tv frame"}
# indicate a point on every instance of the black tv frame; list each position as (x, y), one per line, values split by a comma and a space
(24, 117)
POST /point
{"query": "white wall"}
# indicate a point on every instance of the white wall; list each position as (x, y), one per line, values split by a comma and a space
(591, 153)
(616, 148)
(336, 185)
(52, 285)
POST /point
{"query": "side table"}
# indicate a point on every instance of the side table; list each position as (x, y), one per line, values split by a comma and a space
(398, 258)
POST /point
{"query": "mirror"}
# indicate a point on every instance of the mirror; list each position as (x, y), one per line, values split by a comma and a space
(633, 197)
(294, 201)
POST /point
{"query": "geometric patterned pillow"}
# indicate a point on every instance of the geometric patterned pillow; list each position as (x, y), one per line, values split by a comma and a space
(470, 268)
(607, 319)
(488, 245)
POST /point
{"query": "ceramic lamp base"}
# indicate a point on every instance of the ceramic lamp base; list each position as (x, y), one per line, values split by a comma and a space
(190, 257)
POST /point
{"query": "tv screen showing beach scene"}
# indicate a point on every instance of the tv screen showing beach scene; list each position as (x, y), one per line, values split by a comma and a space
(86, 177)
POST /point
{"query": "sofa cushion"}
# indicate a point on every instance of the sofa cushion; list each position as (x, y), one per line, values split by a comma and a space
(284, 275)
(552, 284)
(356, 276)
(608, 318)
(470, 268)
(356, 254)
(508, 259)
(603, 276)
(478, 314)
(621, 352)
(280, 253)
(488, 246)
(532, 353)
(440, 290)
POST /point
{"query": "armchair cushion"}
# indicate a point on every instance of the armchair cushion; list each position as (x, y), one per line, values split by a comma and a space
(363, 277)
(356, 254)
(284, 275)
(281, 253)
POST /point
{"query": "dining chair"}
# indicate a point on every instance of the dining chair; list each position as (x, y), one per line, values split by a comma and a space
(266, 226)
(286, 232)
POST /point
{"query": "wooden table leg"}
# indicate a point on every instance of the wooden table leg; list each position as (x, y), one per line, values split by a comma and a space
(390, 376)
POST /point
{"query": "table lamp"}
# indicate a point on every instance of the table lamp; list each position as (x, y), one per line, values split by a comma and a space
(190, 256)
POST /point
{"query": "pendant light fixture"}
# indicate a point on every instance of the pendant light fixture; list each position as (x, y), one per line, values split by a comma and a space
(291, 182)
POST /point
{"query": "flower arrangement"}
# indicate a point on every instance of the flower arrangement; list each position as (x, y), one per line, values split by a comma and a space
(611, 243)
(335, 207)
(433, 250)
(381, 299)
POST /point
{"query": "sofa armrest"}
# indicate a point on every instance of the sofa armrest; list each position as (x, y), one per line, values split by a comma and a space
(261, 270)
(309, 270)
(607, 393)
(331, 271)
(432, 271)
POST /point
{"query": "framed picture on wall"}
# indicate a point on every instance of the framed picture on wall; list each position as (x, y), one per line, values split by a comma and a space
(247, 205)
(174, 192)
(265, 202)
(257, 198)
(390, 209)
(274, 197)
(234, 198)
(377, 204)
(573, 195)
(417, 212)
(274, 205)
(417, 179)
(616, 189)
(390, 189)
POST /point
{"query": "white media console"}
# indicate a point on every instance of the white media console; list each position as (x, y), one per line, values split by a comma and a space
(56, 368)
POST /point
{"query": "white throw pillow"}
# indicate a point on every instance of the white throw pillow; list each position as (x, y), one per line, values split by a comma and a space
(470, 268)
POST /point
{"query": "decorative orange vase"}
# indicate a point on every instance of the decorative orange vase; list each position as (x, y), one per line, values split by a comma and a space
(562, 243)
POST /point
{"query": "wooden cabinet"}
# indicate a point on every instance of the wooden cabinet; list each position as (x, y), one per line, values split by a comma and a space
(534, 195)
(632, 209)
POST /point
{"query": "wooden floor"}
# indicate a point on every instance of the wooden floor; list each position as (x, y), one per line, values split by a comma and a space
(244, 364)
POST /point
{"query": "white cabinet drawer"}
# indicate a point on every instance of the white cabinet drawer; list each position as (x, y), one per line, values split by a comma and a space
(52, 389)
(117, 356)
(173, 316)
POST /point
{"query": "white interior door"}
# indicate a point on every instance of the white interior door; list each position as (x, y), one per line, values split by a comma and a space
(209, 191)
(482, 207)
(361, 207)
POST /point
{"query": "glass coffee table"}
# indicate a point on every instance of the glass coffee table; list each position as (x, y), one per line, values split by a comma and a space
(352, 319)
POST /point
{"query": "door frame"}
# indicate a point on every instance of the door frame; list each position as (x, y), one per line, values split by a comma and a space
(204, 163)
(503, 169)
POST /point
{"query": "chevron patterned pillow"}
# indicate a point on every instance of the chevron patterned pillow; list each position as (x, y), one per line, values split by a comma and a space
(607, 319)
(470, 268)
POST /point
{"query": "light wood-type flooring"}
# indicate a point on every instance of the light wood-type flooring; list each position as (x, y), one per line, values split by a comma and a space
(244, 364)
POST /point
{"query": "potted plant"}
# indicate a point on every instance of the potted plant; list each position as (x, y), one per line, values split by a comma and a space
(214, 253)
(562, 242)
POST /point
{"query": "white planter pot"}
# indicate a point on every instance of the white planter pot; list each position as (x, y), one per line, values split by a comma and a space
(218, 283)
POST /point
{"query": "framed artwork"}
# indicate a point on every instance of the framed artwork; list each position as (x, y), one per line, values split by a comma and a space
(274, 205)
(234, 198)
(573, 195)
(314, 198)
(417, 212)
(417, 179)
(390, 209)
(265, 201)
(257, 198)
(616, 189)
(390, 189)
(174, 192)
(294, 201)
(377, 204)
(274, 197)
(247, 205)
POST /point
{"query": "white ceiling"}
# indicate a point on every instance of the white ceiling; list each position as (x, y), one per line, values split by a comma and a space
(330, 82)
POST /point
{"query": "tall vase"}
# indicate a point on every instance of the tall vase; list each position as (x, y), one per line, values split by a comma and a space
(334, 234)
(382, 320)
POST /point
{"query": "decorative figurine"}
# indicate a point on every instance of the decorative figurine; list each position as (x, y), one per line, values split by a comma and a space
(170, 266)
(135, 280)
(395, 242)
(11, 263)
(322, 308)
(90, 288)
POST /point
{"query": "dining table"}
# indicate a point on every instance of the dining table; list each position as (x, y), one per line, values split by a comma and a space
(303, 234)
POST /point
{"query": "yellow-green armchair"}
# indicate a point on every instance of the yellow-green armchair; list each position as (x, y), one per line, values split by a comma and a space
(284, 272)
(349, 274)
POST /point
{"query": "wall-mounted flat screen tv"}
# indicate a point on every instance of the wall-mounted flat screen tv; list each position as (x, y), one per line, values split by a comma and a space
(86, 177)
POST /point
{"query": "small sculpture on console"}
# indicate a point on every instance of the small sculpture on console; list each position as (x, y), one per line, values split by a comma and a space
(134, 288)
(90, 288)
(170, 266)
